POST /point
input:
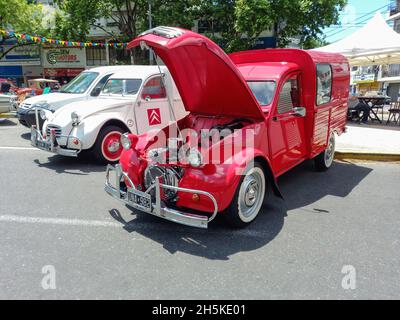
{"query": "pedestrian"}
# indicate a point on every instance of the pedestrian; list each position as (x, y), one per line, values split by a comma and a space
(6, 86)
(362, 109)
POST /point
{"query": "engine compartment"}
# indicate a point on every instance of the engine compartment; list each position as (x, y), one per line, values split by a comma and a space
(164, 158)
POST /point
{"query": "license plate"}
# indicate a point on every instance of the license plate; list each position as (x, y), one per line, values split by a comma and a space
(140, 200)
(43, 144)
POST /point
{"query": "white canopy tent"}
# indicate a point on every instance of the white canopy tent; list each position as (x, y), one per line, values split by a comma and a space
(374, 44)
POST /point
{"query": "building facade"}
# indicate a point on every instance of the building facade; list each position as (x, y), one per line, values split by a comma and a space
(389, 75)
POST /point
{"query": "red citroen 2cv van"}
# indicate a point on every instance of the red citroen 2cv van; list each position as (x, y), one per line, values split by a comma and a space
(252, 117)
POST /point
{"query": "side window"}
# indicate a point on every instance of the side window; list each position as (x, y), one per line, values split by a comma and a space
(289, 96)
(154, 89)
(99, 86)
(324, 84)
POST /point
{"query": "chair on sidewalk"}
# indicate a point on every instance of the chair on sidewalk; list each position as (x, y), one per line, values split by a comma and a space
(379, 107)
(394, 113)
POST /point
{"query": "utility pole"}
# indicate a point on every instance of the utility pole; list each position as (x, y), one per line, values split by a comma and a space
(150, 27)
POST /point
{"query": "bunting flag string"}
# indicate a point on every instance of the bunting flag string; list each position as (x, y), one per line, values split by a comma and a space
(23, 37)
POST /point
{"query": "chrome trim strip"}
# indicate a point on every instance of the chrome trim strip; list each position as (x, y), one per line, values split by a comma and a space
(166, 32)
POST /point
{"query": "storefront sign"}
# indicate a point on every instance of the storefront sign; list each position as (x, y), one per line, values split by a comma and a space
(24, 55)
(364, 78)
(10, 71)
(62, 72)
(64, 58)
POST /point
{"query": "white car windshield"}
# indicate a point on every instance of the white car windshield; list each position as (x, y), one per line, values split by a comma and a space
(80, 83)
(122, 87)
(264, 91)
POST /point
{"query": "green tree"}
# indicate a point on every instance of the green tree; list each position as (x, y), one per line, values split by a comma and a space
(242, 21)
(22, 16)
(312, 43)
(77, 17)
(234, 24)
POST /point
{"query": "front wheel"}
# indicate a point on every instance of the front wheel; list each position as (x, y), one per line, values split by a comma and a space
(248, 199)
(108, 148)
(325, 160)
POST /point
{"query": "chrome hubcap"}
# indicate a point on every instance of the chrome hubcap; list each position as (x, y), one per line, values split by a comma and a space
(330, 151)
(114, 146)
(251, 195)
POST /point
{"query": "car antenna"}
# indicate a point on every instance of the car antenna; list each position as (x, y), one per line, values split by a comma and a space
(171, 109)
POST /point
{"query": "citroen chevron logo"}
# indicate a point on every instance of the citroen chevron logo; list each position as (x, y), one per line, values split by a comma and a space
(154, 116)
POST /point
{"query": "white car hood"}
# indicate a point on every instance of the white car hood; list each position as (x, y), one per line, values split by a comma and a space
(85, 109)
(56, 100)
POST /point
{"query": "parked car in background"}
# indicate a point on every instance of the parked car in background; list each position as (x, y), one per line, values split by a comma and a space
(37, 87)
(253, 116)
(134, 100)
(5, 102)
(86, 86)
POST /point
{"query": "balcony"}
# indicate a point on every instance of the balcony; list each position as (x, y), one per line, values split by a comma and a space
(389, 71)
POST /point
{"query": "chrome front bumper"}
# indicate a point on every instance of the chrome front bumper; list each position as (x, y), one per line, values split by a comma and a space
(158, 207)
(50, 144)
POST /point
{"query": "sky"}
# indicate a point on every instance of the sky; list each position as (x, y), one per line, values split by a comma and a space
(355, 16)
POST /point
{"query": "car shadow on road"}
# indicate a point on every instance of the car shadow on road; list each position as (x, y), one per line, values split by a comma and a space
(83, 165)
(7, 123)
(26, 136)
(301, 187)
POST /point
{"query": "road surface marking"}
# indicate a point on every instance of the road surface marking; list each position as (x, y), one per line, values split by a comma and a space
(18, 148)
(133, 224)
(59, 221)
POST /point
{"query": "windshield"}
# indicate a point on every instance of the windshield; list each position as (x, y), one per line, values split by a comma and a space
(122, 87)
(264, 91)
(81, 83)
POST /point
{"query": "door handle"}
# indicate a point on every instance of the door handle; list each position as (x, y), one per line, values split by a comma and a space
(299, 112)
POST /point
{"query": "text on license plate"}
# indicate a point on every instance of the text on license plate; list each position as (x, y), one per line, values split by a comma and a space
(143, 201)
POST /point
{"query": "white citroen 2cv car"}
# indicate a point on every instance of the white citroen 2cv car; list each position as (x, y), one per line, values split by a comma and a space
(137, 100)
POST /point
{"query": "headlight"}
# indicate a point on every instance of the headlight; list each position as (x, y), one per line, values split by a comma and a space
(75, 119)
(34, 135)
(126, 142)
(194, 158)
(43, 115)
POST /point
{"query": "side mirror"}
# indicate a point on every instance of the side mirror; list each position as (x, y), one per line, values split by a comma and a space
(300, 112)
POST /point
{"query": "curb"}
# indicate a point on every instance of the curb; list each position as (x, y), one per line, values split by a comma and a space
(8, 115)
(384, 157)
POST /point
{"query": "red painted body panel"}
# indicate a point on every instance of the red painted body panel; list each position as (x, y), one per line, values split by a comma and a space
(214, 90)
(207, 80)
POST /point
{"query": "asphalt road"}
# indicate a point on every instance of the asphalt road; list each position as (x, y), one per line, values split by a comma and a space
(54, 212)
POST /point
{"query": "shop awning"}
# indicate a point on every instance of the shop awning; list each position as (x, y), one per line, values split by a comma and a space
(374, 44)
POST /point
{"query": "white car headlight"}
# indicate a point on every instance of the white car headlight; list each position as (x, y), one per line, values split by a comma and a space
(34, 135)
(126, 142)
(43, 115)
(194, 158)
(75, 118)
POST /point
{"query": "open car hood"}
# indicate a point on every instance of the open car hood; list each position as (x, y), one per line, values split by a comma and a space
(208, 81)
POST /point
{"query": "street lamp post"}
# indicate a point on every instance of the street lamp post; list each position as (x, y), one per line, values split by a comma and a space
(150, 27)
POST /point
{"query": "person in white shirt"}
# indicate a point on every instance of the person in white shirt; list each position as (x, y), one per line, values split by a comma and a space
(363, 110)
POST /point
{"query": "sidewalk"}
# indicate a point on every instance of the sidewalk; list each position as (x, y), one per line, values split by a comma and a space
(369, 142)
